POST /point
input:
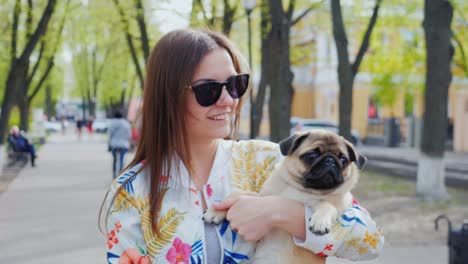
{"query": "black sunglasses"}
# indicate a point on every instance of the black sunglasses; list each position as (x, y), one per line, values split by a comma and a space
(208, 93)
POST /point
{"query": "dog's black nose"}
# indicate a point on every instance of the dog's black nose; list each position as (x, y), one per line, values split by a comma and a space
(329, 161)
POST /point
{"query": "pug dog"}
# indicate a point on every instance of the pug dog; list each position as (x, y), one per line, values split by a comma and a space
(320, 169)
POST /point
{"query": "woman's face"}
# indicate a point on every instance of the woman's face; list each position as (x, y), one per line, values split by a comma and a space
(214, 121)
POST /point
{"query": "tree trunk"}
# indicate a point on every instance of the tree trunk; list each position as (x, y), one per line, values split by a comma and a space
(347, 71)
(23, 104)
(48, 102)
(281, 75)
(14, 81)
(345, 79)
(431, 167)
(256, 109)
(228, 17)
(19, 67)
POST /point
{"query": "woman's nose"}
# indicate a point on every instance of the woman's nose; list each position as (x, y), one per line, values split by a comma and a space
(225, 98)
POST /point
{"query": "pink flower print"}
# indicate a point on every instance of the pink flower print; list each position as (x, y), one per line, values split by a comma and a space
(134, 256)
(179, 252)
(118, 226)
(209, 190)
(111, 239)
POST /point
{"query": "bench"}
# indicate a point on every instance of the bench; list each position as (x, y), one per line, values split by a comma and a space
(16, 156)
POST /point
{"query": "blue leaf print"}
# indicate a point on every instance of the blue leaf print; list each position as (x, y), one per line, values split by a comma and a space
(197, 252)
(223, 227)
(129, 186)
(233, 258)
(348, 219)
(111, 256)
(234, 237)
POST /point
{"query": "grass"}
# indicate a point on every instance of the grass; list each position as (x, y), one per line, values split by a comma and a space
(375, 185)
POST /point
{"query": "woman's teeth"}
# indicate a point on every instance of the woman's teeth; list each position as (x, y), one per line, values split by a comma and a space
(219, 117)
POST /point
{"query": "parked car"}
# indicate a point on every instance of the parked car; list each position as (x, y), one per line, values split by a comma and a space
(52, 126)
(100, 125)
(303, 124)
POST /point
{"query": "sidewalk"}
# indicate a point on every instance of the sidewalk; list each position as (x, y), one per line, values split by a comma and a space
(403, 162)
(49, 213)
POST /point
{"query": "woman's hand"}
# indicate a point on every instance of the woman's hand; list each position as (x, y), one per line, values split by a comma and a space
(254, 216)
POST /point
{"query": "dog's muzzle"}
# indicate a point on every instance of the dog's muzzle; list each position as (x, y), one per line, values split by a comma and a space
(324, 174)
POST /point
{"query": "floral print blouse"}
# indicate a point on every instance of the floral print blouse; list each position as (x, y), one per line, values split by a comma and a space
(243, 165)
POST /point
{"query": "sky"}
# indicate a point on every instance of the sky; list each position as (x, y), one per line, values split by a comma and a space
(171, 14)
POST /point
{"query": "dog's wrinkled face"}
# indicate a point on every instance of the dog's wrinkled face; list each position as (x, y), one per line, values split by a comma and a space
(321, 161)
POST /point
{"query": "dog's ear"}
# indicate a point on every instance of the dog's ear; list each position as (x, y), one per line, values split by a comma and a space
(290, 144)
(355, 156)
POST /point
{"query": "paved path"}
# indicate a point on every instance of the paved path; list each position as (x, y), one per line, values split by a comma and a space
(49, 213)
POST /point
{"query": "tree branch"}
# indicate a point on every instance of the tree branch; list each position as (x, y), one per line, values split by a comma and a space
(200, 4)
(14, 32)
(366, 39)
(128, 37)
(40, 30)
(51, 58)
(305, 12)
(41, 81)
(62, 25)
(462, 52)
(98, 73)
(290, 12)
(36, 65)
(142, 26)
(29, 20)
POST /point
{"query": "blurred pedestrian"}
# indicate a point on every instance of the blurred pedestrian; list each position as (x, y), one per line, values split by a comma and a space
(63, 125)
(89, 124)
(20, 143)
(119, 141)
(79, 126)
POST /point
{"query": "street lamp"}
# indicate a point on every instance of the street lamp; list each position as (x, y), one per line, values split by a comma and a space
(249, 6)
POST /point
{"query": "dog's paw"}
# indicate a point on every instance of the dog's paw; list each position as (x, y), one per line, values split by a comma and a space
(211, 216)
(319, 225)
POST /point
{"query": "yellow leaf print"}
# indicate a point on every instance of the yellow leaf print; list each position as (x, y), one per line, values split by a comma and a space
(123, 201)
(167, 226)
(354, 242)
(339, 233)
(248, 173)
(371, 240)
(363, 250)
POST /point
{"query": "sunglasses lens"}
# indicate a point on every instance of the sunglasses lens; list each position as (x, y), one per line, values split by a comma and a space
(237, 85)
(207, 93)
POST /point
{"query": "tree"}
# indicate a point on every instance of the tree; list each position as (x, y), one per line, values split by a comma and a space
(437, 28)
(213, 19)
(275, 26)
(19, 65)
(460, 37)
(346, 70)
(144, 39)
(41, 69)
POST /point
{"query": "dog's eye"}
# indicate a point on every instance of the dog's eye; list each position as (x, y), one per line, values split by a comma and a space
(344, 161)
(310, 157)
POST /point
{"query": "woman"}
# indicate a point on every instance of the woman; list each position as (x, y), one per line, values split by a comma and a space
(193, 92)
(119, 141)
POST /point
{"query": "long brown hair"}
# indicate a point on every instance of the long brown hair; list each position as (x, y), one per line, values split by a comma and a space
(169, 72)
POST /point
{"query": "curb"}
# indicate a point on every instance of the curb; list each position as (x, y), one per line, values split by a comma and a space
(408, 169)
